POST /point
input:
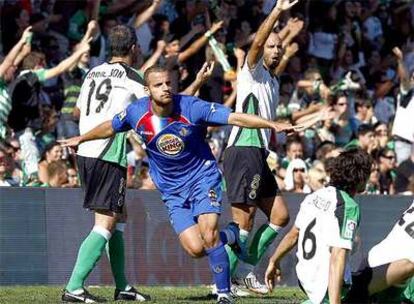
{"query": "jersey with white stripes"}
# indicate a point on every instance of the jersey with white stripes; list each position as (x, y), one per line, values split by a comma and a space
(107, 90)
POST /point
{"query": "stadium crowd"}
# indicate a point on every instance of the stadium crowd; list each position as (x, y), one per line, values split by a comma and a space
(351, 59)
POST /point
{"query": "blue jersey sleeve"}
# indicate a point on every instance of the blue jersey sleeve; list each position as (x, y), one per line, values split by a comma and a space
(209, 112)
(122, 121)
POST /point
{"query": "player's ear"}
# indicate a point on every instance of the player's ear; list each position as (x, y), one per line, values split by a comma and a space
(147, 89)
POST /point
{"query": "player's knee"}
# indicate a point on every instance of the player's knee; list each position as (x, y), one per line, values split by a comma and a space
(280, 219)
(195, 250)
(210, 238)
(409, 267)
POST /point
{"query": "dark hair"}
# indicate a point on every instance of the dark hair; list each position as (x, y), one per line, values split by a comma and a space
(350, 170)
(121, 40)
(382, 152)
(293, 140)
(153, 69)
(49, 148)
(364, 129)
(32, 60)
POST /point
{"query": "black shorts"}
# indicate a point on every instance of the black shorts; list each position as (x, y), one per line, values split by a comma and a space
(358, 292)
(247, 174)
(103, 184)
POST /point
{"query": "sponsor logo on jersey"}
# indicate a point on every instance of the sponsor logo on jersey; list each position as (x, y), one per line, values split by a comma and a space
(350, 228)
(122, 115)
(183, 132)
(170, 144)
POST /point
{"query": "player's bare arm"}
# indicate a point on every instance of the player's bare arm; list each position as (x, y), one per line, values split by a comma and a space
(336, 274)
(253, 121)
(264, 31)
(286, 245)
(104, 130)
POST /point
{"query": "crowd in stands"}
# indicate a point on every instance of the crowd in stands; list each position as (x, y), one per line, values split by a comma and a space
(353, 59)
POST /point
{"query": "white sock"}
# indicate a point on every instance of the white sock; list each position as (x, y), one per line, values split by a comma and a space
(120, 227)
(276, 228)
(224, 295)
(102, 231)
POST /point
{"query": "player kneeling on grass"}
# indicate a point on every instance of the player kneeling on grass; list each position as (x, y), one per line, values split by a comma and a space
(324, 231)
(173, 128)
(393, 259)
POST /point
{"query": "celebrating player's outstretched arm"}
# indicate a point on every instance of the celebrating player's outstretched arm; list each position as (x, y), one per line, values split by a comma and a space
(264, 31)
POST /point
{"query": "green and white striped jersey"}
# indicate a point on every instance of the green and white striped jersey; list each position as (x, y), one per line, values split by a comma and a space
(327, 218)
(106, 91)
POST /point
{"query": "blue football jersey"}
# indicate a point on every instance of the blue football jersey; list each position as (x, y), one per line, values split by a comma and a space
(179, 156)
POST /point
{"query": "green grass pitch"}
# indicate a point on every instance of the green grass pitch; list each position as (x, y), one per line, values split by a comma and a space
(170, 295)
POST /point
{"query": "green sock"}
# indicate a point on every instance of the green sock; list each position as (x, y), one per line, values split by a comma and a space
(233, 259)
(116, 255)
(261, 241)
(89, 253)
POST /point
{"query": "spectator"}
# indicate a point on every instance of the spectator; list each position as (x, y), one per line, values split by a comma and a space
(52, 153)
(6, 170)
(404, 172)
(343, 127)
(364, 112)
(296, 177)
(73, 179)
(386, 165)
(365, 139)
(381, 135)
(57, 174)
(294, 150)
(28, 98)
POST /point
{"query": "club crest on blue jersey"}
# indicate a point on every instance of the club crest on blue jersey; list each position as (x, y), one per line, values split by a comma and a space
(183, 132)
(122, 115)
(170, 144)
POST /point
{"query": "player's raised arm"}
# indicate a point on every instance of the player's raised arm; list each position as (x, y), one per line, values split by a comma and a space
(104, 130)
(286, 245)
(264, 31)
(336, 274)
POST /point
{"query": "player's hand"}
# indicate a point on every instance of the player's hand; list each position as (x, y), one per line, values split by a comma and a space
(272, 274)
(284, 5)
(283, 127)
(205, 72)
(72, 142)
(216, 26)
(398, 53)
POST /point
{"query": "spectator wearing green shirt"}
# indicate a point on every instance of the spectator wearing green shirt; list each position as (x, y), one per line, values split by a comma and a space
(28, 98)
(7, 70)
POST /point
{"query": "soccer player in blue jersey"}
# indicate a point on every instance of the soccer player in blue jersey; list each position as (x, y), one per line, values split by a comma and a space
(173, 128)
